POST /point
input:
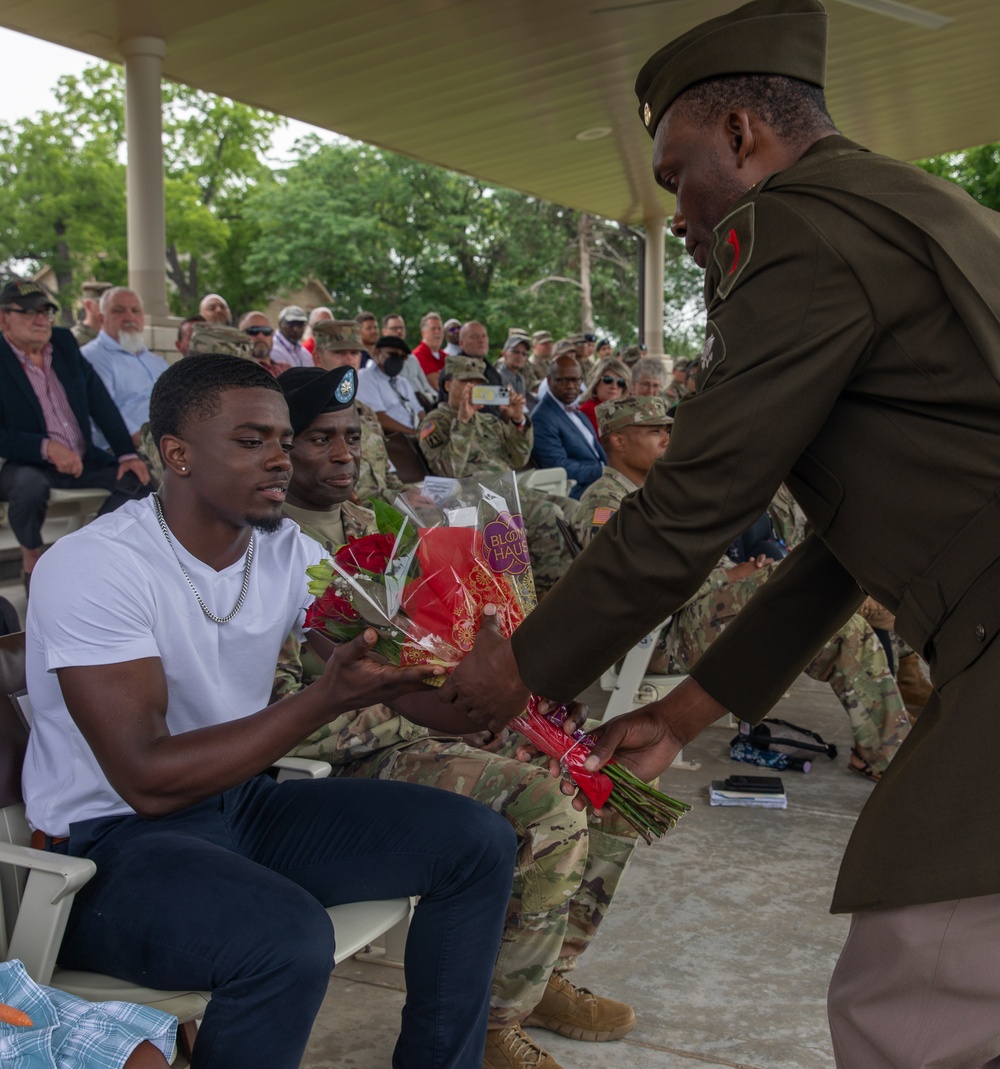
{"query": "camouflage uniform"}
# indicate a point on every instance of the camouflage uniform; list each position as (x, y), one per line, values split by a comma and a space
(376, 477)
(455, 449)
(569, 863)
(852, 661)
(600, 501)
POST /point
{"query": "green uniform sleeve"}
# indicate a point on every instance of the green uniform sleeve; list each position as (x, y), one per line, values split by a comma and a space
(288, 674)
(782, 344)
(517, 443)
(447, 444)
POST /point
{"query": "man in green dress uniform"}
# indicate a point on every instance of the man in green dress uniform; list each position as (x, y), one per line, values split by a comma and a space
(853, 351)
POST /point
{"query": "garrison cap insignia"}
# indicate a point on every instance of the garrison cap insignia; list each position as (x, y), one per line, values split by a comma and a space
(733, 248)
(345, 391)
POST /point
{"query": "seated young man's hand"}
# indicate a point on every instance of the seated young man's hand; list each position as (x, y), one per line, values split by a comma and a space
(356, 677)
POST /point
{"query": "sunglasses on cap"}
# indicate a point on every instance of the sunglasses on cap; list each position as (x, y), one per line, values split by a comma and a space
(609, 380)
(254, 331)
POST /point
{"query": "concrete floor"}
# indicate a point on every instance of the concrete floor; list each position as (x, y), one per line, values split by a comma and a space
(719, 936)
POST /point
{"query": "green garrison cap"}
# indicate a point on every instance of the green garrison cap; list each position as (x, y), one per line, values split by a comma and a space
(625, 412)
(785, 37)
(465, 368)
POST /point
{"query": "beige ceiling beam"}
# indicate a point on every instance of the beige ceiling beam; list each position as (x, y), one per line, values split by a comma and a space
(146, 212)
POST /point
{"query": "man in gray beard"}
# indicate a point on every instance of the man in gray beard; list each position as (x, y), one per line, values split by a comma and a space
(120, 357)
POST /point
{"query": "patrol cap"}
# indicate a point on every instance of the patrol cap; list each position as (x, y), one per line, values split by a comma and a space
(515, 339)
(518, 332)
(218, 340)
(337, 335)
(293, 314)
(630, 354)
(93, 290)
(540, 337)
(563, 346)
(465, 368)
(29, 295)
(682, 363)
(625, 412)
(390, 341)
(311, 390)
(785, 37)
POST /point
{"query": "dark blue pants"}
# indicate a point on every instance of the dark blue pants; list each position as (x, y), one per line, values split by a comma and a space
(27, 486)
(229, 896)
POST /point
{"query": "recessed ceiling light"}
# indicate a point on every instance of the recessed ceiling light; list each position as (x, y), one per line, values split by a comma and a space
(594, 133)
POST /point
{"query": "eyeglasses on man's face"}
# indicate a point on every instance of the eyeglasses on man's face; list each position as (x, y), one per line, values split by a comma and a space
(610, 380)
(47, 313)
(566, 380)
(254, 331)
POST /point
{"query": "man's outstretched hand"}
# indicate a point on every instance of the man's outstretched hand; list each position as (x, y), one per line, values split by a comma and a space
(486, 684)
(647, 740)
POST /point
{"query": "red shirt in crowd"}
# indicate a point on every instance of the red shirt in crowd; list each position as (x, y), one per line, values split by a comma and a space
(431, 360)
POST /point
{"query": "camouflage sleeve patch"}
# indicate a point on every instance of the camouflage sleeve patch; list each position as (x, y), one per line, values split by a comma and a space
(601, 516)
(427, 429)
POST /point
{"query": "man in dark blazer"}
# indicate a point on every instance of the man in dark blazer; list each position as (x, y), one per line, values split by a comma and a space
(564, 437)
(48, 396)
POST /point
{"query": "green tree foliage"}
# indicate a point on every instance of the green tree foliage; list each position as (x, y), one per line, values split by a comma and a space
(61, 201)
(387, 233)
(976, 170)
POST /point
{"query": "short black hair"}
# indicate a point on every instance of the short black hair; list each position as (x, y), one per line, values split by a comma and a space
(792, 108)
(190, 389)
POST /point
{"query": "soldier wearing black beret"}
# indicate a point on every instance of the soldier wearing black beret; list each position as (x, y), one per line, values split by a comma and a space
(853, 351)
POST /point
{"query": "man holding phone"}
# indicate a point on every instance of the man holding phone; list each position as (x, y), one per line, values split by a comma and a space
(458, 439)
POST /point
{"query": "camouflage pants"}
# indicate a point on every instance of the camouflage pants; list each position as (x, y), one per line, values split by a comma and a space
(568, 867)
(852, 662)
(549, 554)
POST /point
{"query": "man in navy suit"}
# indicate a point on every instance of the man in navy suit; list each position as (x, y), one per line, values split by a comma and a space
(48, 396)
(564, 437)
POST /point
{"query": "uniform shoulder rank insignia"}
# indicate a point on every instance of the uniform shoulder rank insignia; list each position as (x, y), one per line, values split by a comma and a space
(601, 516)
(428, 430)
(713, 353)
(733, 248)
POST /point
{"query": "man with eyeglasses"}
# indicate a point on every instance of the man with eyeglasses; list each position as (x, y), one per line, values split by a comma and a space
(48, 396)
(512, 361)
(261, 334)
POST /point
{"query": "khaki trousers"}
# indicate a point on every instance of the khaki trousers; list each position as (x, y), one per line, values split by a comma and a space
(918, 987)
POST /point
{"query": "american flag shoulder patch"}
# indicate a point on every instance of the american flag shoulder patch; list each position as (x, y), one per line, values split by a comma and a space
(601, 516)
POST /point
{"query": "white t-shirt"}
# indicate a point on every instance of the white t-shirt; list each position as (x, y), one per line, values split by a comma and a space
(114, 592)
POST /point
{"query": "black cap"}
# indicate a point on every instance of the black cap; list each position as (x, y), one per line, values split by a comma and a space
(311, 390)
(29, 295)
(390, 341)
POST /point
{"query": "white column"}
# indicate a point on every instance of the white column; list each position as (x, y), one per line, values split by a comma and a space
(147, 227)
(653, 325)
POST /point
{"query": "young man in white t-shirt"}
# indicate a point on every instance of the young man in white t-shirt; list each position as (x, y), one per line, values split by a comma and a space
(152, 639)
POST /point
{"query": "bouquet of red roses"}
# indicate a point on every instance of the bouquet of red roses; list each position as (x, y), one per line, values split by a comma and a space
(422, 581)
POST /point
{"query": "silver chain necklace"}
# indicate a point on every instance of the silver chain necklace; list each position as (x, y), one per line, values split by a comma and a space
(201, 601)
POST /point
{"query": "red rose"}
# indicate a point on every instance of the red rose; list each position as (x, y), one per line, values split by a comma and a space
(370, 553)
(330, 606)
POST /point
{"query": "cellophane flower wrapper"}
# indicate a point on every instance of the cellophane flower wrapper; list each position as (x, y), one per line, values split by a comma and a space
(422, 583)
(423, 580)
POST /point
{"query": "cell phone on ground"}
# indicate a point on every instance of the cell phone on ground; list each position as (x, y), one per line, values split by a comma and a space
(755, 784)
(491, 395)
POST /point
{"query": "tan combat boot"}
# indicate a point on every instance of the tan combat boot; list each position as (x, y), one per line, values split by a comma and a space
(513, 1048)
(579, 1014)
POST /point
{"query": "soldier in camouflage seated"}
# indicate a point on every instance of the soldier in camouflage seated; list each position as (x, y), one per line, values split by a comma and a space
(569, 863)
(458, 439)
